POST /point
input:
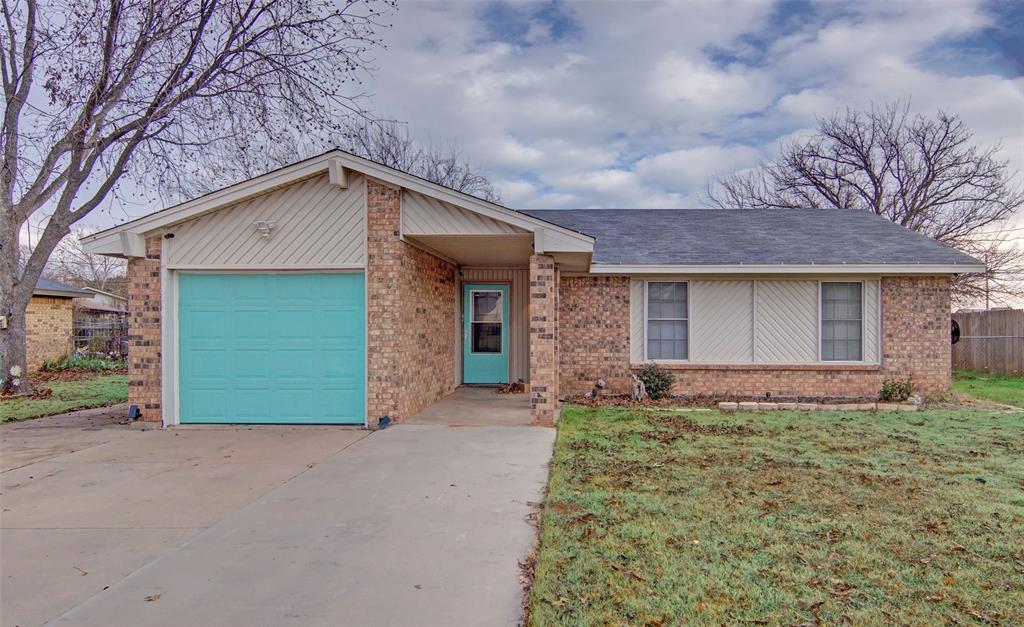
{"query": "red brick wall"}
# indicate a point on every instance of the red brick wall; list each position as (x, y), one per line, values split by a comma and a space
(915, 331)
(411, 315)
(544, 342)
(593, 315)
(915, 342)
(144, 331)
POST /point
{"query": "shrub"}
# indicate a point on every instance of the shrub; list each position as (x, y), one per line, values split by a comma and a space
(82, 363)
(896, 390)
(657, 381)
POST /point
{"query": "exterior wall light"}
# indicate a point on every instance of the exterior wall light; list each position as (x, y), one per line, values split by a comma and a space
(264, 228)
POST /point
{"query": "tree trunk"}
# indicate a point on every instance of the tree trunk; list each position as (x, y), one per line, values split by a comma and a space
(13, 303)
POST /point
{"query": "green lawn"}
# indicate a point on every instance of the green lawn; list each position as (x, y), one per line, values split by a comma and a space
(68, 395)
(702, 518)
(1002, 388)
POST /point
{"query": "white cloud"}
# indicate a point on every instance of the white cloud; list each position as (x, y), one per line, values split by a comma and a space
(688, 169)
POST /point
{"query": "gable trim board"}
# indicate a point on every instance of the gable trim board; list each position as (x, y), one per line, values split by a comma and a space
(756, 322)
(126, 240)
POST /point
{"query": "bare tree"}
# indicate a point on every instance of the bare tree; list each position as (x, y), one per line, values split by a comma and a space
(96, 91)
(384, 141)
(923, 173)
(69, 263)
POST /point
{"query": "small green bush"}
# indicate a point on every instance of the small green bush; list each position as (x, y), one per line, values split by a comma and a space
(896, 390)
(82, 363)
(657, 380)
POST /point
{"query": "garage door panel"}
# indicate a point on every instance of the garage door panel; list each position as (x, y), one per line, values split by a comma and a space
(253, 405)
(206, 404)
(251, 324)
(252, 364)
(286, 348)
(208, 324)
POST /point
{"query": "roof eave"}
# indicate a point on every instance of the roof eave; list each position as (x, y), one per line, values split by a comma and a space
(60, 293)
(859, 268)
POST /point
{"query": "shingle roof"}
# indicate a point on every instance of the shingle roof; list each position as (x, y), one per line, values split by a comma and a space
(49, 287)
(735, 236)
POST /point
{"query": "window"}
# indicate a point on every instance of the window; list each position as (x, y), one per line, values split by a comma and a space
(842, 321)
(667, 320)
(486, 322)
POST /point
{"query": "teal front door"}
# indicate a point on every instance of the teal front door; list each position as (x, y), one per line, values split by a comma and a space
(272, 348)
(485, 333)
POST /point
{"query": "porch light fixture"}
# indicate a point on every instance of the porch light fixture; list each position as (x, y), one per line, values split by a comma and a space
(264, 228)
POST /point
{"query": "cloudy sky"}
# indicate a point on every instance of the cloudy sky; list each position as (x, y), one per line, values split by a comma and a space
(636, 104)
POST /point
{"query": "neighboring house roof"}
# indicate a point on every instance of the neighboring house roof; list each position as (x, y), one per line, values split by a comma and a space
(98, 300)
(735, 237)
(109, 294)
(49, 287)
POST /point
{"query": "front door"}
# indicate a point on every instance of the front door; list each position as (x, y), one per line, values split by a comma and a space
(485, 333)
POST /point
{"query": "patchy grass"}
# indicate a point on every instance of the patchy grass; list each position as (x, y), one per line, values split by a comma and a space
(1002, 388)
(669, 518)
(96, 391)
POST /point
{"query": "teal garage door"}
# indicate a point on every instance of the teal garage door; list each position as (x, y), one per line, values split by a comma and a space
(272, 348)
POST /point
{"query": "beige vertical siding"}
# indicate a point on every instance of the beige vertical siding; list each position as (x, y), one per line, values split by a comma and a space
(787, 322)
(519, 314)
(872, 337)
(636, 320)
(423, 215)
(769, 321)
(721, 322)
(316, 224)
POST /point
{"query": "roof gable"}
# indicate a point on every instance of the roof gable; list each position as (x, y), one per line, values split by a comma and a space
(127, 239)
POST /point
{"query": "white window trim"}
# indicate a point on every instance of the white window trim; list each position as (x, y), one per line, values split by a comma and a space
(501, 313)
(821, 315)
(689, 338)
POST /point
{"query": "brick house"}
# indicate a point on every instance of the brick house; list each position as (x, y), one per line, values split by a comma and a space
(339, 290)
(48, 321)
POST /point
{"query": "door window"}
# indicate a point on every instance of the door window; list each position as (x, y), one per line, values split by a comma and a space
(485, 325)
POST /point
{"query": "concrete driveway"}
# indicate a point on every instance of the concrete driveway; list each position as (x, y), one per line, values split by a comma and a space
(414, 525)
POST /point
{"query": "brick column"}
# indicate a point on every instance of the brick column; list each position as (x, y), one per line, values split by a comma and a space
(915, 331)
(543, 340)
(144, 331)
(383, 306)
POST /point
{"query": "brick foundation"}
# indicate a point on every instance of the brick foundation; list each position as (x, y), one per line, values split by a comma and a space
(144, 331)
(543, 340)
(411, 315)
(48, 329)
(915, 343)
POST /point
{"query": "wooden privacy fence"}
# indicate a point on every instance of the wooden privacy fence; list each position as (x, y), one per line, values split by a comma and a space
(990, 340)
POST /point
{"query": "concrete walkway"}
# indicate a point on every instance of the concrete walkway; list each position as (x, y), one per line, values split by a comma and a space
(414, 525)
(476, 406)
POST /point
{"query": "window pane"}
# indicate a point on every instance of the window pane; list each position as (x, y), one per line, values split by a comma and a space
(487, 306)
(666, 300)
(841, 325)
(667, 339)
(486, 337)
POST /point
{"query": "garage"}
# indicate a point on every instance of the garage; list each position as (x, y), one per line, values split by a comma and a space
(285, 348)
